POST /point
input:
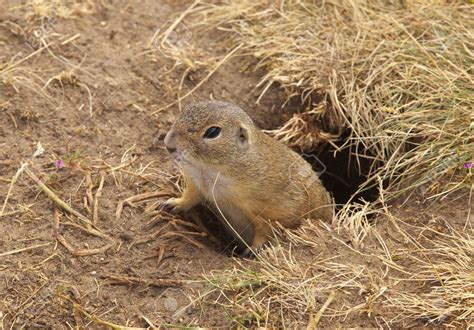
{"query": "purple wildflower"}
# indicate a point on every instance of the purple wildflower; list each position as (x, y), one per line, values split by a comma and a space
(59, 164)
(468, 165)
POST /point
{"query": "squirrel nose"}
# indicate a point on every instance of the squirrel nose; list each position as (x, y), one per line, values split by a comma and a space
(170, 149)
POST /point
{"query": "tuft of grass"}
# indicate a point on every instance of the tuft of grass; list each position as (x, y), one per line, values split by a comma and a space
(284, 289)
(446, 266)
(41, 9)
(38, 34)
(394, 281)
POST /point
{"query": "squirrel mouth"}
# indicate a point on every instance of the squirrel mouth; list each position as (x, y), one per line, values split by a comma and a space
(178, 157)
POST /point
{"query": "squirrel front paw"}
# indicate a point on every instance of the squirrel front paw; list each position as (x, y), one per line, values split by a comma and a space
(261, 238)
(172, 205)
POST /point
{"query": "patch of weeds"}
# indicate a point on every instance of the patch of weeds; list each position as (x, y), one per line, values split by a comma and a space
(72, 159)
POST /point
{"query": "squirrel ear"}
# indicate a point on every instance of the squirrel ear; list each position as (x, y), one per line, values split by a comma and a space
(243, 137)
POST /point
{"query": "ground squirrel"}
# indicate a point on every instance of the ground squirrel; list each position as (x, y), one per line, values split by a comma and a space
(249, 178)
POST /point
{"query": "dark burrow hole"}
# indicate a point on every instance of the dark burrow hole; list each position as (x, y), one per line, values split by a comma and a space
(345, 172)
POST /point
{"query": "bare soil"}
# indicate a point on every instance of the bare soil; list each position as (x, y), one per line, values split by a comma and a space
(89, 102)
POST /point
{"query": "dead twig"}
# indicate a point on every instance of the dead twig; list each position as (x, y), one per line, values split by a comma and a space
(150, 237)
(10, 188)
(131, 201)
(83, 252)
(24, 249)
(98, 193)
(63, 205)
(89, 199)
(186, 237)
(92, 317)
(314, 319)
(129, 280)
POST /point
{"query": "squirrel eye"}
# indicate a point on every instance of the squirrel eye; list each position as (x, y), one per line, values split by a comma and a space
(212, 132)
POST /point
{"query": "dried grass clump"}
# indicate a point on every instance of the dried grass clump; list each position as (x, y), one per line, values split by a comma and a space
(447, 268)
(401, 281)
(302, 130)
(58, 8)
(398, 74)
(297, 282)
(284, 292)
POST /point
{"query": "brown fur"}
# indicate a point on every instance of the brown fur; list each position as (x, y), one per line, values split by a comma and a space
(249, 177)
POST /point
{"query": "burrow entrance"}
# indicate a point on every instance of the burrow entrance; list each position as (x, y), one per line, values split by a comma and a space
(344, 171)
(342, 168)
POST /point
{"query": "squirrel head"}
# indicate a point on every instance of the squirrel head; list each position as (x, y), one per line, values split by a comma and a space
(210, 133)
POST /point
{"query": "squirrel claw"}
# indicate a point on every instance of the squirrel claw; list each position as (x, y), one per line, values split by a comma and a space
(170, 206)
(249, 253)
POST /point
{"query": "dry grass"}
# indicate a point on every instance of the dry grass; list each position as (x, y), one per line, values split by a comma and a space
(56, 8)
(282, 290)
(421, 280)
(450, 298)
(40, 36)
